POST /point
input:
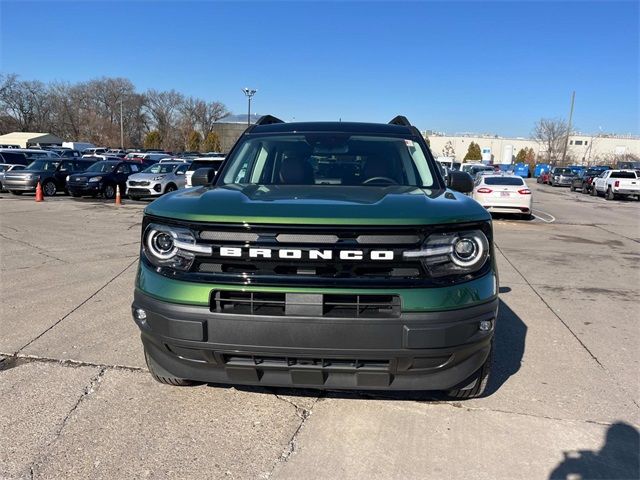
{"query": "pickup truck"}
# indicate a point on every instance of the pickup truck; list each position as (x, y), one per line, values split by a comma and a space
(329, 255)
(617, 183)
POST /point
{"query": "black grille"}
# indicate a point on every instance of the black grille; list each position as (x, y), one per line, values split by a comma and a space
(259, 361)
(327, 305)
(142, 183)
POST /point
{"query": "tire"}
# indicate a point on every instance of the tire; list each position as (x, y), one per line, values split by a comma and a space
(109, 191)
(16, 192)
(609, 195)
(49, 188)
(480, 378)
(160, 375)
(170, 188)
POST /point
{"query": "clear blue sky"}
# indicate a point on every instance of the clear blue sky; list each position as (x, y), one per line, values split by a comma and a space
(482, 67)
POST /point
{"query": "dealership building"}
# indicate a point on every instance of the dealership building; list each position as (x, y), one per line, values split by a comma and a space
(581, 150)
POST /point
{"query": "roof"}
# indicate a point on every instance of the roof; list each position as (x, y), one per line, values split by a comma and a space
(347, 127)
(22, 138)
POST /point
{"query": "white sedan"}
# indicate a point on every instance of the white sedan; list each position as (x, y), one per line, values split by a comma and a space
(503, 194)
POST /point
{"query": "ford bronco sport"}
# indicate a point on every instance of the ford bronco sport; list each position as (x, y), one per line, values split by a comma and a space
(321, 255)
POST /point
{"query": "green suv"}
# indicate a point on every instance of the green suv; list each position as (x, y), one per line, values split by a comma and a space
(325, 255)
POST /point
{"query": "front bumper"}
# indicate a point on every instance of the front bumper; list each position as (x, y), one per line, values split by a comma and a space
(152, 190)
(23, 185)
(85, 188)
(418, 351)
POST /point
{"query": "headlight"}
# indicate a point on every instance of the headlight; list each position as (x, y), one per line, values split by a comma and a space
(67, 179)
(174, 247)
(95, 179)
(456, 253)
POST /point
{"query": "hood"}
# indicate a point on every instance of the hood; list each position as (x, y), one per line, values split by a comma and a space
(146, 176)
(319, 204)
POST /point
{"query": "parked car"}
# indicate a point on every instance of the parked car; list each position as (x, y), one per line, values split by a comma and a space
(325, 255)
(8, 167)
(52, 174)
(14, 158)
(583, 179)
(560, 177)
(66, 152)
(543, 177)
(503, 194)
(202, 162)
(617, 183)
(94, 151)
(157, 180)
(146, 157)
(31, 153)
(102, 178)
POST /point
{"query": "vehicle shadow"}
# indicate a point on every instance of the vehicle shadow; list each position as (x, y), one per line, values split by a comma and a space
(618, 458)
(509, 345)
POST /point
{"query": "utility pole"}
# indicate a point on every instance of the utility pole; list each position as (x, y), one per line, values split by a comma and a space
(566, 143)
(121, 127)
(249, 92)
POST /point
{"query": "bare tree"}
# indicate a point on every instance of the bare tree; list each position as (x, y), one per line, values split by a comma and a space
(552, 134)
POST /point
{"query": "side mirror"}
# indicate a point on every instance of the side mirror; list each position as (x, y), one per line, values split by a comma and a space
(203, 176)
(460, 181)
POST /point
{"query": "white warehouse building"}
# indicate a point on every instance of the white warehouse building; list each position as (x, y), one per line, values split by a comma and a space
(582, 149)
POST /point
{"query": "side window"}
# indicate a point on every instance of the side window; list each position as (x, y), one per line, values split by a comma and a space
(182, 168)
(134, 168)
(66, 166)
(123, 169)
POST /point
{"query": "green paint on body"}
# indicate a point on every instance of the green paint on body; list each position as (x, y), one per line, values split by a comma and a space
(319, 205)
(453, 297)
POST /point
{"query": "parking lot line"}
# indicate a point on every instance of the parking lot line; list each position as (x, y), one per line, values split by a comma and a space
(553, 219)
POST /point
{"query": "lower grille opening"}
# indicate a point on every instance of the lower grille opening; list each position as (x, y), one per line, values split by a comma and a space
(328, 305)
(313, 363)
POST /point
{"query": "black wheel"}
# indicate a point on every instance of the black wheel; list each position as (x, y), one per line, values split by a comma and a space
(49, 188)
(610, 195)
(1, 187)
(170, 188)
(109, 191)
(16, 192)
(159, 374)
(475, 385)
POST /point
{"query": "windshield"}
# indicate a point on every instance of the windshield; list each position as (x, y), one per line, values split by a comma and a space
(160, 168)
(329, 159)
(515, 181)
(44, 165)
(102, 167)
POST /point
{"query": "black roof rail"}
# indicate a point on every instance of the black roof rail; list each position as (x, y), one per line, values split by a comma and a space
(268, 120)
(400, 120)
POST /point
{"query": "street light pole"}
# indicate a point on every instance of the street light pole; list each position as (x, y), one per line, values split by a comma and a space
(249, 92)
(121, 127)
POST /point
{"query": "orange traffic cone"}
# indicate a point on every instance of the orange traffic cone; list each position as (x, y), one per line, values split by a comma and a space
(118, 200)
(39, 194)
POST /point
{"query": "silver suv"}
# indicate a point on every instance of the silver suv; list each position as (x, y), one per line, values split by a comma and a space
(157, 180)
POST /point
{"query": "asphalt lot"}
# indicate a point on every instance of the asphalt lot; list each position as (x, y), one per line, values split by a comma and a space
(76, 400)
